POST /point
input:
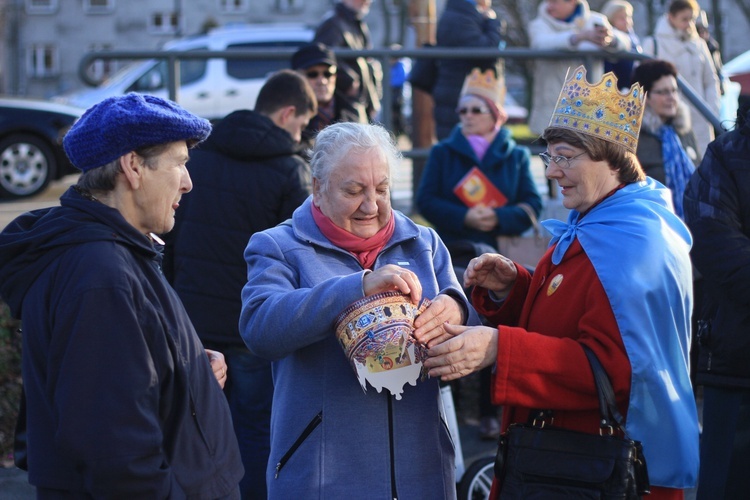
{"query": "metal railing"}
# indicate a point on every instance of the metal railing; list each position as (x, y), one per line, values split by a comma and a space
(173, 59)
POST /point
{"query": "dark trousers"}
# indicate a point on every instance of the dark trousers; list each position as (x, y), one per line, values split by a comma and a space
(249, 392)
(725, 444)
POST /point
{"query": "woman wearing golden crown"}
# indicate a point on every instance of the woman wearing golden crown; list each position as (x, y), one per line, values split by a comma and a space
(593, 287)
(479, 140)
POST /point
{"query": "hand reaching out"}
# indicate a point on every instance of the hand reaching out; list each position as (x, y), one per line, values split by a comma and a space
(469, 350)
(492, 271)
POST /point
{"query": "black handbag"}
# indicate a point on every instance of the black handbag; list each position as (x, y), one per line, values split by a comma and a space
(423, 72)
(537, 460)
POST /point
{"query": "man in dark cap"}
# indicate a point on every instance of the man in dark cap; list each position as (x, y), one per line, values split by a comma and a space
(317, 63)
(122, 400)
(345, 27)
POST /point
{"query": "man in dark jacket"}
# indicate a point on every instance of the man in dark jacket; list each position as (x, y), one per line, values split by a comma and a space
(345, 27)
(717, 210)
(317, 63)
(122, 400)
(247, 177)
(471, 25)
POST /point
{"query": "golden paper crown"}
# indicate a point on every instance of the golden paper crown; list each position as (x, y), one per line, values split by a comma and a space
(600, 110)
(484, 85)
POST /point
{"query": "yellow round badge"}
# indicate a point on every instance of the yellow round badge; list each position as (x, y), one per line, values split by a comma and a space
(554, 284)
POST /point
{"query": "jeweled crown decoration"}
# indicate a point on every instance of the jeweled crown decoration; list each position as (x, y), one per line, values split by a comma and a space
(600, 110)
(484, 85)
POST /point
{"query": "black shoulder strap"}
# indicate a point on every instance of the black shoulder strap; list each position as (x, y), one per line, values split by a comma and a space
(607, 406)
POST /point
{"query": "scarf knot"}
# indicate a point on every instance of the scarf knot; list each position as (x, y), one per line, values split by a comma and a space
(563, 235)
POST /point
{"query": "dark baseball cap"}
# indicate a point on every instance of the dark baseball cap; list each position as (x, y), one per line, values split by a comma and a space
(311, 55)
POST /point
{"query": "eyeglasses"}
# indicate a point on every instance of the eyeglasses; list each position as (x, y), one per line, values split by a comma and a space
(663, 92)
(561, 161)
(477, 110)
(315, 74)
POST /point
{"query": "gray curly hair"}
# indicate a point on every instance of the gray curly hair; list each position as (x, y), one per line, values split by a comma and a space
(337, 141)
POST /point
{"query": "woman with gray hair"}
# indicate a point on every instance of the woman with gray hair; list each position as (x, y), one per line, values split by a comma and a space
(329, 439)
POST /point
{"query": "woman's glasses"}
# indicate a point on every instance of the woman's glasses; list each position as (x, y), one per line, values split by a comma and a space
(664, 92)
(313, 74)
(561, 161)
(477, 110)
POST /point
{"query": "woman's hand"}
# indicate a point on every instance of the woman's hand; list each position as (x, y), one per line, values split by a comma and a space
(429, 326)
(392, 277)
(469, 350)
(481, 218)
(218, 365)
(492, 271)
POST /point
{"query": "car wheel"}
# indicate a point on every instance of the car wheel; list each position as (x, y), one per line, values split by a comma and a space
(27, 164)
(477, 480)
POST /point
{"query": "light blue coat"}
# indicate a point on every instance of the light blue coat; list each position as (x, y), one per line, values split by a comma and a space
(344, 443)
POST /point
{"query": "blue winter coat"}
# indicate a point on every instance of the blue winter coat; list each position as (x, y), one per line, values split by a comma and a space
(506, 164)
(717, 210)
(121, 399)
(461, 25)
(329, 439)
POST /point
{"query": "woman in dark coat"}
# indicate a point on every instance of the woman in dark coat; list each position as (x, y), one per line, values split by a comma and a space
(667, 149)
(464, 23)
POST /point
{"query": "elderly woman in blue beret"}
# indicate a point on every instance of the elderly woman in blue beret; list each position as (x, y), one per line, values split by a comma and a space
(121, 398)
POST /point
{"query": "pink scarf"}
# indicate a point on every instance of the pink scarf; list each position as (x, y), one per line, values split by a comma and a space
(366, 250)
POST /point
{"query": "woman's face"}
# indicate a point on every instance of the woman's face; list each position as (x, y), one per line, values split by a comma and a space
(585, 181)
(483, 5)
(357, 197)
(561, 9)
(621, 20)
(662, 98)
(475, 116)
(682, 19)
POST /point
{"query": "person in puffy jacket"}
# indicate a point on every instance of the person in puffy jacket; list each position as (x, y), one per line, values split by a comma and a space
(718, 214)
(467, 24)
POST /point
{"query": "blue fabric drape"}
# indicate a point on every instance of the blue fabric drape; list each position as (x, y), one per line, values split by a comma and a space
(640, 250)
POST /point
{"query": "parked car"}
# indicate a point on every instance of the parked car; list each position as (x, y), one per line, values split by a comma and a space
(738, 70)
(31, 153)
(211, 88)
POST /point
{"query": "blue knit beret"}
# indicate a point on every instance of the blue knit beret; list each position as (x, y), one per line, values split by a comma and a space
(121, 124)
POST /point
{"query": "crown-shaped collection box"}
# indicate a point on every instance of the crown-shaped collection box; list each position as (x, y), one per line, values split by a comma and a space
(376, 335)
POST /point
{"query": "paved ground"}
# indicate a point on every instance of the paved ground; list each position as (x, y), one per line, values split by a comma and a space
(14, 485)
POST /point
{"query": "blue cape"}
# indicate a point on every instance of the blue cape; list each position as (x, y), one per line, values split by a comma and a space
(640, 251)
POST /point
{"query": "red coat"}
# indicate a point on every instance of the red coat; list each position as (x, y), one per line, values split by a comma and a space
(540, 364)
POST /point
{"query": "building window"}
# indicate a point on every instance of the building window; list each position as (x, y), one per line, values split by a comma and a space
(43, 61)
(41, 6)
(98, 6)
(233, 6)
(289, 6)
(101, 69)
(164, 23)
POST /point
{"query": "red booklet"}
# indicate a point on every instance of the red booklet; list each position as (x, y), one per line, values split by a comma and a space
(476, 189)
